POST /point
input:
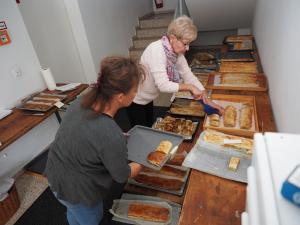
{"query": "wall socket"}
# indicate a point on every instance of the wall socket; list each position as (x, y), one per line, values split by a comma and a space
(16, 72)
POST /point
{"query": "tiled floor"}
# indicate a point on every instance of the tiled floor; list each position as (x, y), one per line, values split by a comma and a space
(29, 188)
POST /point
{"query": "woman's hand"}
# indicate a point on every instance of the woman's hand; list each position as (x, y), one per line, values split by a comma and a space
(214, 105)
(197, 93)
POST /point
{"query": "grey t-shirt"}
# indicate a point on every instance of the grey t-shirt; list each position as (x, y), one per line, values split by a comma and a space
(88, 153)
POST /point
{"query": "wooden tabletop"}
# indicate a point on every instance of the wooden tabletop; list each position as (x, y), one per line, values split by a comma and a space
(17, 124)
(217, 201)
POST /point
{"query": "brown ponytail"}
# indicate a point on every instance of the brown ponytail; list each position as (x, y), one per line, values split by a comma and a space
(117, 75)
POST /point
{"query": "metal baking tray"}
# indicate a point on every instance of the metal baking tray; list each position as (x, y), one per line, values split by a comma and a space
(240, 56)
(143, 140)
(185, 137)
(213, 159)
(39, 101)
(120, 209)
(176, 208)
(179, 192)
(193, 108)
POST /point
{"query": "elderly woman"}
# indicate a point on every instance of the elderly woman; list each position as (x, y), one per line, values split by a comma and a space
(166, 71)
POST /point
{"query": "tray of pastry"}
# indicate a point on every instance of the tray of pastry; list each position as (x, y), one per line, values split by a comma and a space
(236, 57)
(246, 45)
(143, 210)
(41, 101)
(237, 38)
(238, 67)
(221, 140)
(177, 159)
(182, 126)
(237, 81)
(150, 147)
(220, 154)
(170, 179)
(240, 116)
(202, 55)
(187, 107)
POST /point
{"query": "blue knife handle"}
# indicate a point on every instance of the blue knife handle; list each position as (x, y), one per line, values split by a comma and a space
(208, 109)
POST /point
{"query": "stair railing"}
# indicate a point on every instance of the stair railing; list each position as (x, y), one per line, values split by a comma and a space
(181, 9)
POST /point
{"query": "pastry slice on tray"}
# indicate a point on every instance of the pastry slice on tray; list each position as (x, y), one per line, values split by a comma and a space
(160, 154)
(159, 182)
(148, 212)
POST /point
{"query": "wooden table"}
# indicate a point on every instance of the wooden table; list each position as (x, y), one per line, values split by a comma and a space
(210, 199)
(17, 124)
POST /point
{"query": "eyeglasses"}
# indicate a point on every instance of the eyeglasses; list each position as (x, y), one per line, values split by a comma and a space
(186, 45)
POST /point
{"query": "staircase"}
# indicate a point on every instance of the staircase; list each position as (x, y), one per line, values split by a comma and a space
(151, 28)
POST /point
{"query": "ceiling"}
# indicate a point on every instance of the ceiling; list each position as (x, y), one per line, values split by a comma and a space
(211, 15)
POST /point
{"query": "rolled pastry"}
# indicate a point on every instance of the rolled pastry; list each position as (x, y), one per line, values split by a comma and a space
(246, 117)
(230, 116)
(214, 120)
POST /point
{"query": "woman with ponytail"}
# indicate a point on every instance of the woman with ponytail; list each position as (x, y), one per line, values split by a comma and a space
(89, 152)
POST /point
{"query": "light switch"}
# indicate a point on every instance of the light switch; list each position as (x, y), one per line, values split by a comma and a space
(16, 72)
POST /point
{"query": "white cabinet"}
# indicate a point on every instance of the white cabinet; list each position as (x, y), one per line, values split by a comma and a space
(275, 156)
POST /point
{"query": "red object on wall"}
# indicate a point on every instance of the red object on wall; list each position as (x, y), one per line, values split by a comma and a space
(159, 3)
(18, 1)
(4, 37)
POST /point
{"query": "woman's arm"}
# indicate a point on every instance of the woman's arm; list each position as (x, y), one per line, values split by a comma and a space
(136, 168)
(186, 73)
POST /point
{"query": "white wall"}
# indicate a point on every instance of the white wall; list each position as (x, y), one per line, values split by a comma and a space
(19, 53)
(49, 28)
(211, 15)
(277, 32)
(110, 25)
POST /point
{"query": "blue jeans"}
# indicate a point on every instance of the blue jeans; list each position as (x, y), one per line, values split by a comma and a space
(79, 214)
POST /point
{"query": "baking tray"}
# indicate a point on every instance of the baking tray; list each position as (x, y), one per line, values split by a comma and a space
(37, 99)
(214, 83)
(237, 38)
(214, 159)
(194, 50)
(176, 208)
(185, 137)
(235, 99)
(238, 67)
(189, 107)
(143, 140)
(175, 192)
(236, 56)
(246, 45)
(120, 209)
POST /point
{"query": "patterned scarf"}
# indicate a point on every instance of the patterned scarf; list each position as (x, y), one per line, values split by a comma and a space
(172, 71)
